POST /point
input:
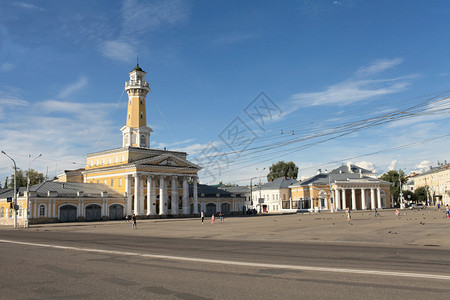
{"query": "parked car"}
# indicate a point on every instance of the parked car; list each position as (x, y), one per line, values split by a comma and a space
(416, 206)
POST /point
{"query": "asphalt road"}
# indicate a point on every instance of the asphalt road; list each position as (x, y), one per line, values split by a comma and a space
(49, 263)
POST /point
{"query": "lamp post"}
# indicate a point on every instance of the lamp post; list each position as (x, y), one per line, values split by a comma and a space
(28, 189)
(259, 175)
(251, 191)
(15, 192)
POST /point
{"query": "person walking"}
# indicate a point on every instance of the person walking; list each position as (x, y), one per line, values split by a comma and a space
(202, 215)
(213, 218)
(133, 222)
(221, 217)
(448, 212)
(375, 211)
(349, 217)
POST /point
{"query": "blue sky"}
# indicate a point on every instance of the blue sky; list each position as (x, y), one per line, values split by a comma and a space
(359, 81)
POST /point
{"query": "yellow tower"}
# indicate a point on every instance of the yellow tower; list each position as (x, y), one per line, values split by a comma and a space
(136, 133)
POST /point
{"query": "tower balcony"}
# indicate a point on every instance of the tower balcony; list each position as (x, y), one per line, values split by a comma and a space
(136, 84)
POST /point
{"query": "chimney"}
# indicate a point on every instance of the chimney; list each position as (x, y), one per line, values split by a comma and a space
(104, 194)
(319, 171)
(80, 193)
(349, 166)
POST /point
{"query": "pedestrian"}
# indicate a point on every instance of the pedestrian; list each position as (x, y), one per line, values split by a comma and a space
(221, 217)
(439, 206)
(375, 211)
(213, 218)
(133, 222)
(397, 212)
(127, 218)
(202, 215)
(448, 212)
(349, 217)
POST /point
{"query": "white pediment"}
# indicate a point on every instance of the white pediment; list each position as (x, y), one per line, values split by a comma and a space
(167, 160)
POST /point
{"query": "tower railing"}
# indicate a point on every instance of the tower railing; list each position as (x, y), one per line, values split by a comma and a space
(136, 83)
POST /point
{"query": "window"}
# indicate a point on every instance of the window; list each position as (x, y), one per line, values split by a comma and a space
(104, 181)
(98, 181)
(120, 181)
(143, 141)
(112, 182)
(20, 211)
(142, 115)
(42, 210)
(10, 212)
(2, 212)
(141, 101)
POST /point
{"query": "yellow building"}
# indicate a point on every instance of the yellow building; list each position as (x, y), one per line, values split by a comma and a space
(438, 182)
(348, 186)
(154, 181)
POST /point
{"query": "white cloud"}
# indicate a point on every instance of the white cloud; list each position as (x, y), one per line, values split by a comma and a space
(367, 165)
(153, 16)
(349, 92)
(378, 66)
(5, 67)
(72, 88)
(356, 89)
(393, 165)
(424, 164)
(28, 6)
(118, 50)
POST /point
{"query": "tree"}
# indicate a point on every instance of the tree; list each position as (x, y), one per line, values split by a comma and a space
(282, 169)
(393, 176)
(421, 194)
(21, 180)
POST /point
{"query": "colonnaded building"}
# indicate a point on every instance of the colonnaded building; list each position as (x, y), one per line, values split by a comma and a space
(131, 179)
(348, 186)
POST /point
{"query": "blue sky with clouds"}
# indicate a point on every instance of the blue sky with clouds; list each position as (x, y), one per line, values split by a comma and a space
(359, 81)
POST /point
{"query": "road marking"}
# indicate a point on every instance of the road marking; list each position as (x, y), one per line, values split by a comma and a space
(238, 263)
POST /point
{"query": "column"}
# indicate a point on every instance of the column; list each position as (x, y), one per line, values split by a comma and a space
(128, 194)
(353, 199)
(338, 198)
(344, 199)
(54, 208)
(185, 200)
(363, 198)
(379, 197)
(195, 196)
(136, 194)
(152, 196)
(141, 195)
(174, 195)
(149, 194)
(79, 208)
(372, 198)
(311, 204)
(35, 211)
(162, 196)
(82, 209)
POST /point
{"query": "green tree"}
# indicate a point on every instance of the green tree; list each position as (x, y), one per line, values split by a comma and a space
(421, 194)
(21, 180)
(282, 169)
(394, 176)
(408, 195)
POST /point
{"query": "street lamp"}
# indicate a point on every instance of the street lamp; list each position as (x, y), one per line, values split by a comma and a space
(259, 175)
(28, 189)
(251, 191)
(15, 192)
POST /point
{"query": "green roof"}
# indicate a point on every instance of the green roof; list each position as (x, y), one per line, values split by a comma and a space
(137, 68)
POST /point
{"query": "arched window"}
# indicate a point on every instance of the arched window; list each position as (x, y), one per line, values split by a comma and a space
(2, 212)
(42, 210)
(143, 141)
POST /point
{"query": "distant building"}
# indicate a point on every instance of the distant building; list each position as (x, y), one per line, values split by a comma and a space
(272, 196)
(240, 191)
(213, 200)
(63, 202)
(347, 186)
(438, 181)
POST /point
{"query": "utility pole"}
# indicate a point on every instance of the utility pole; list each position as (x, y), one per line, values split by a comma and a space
(27, 216)
(15, 189)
